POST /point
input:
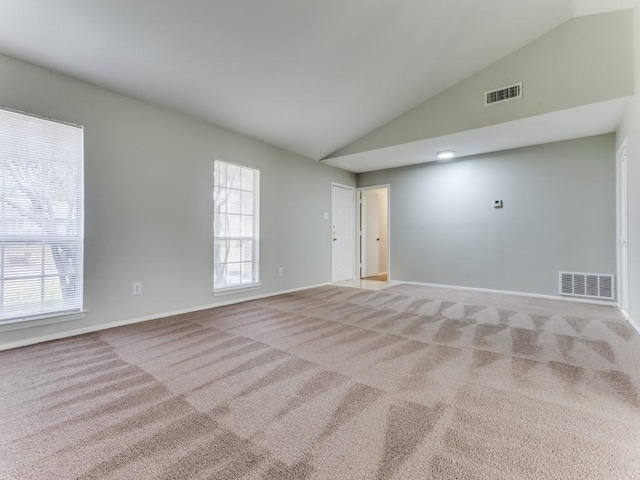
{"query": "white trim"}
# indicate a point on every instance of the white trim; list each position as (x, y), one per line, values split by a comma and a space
(82, 214)
(358, 229)
(507, 292)
(630, 320)
(634, 324)
(232, 290)
(105, 326)
(622, 281)
(40, 321)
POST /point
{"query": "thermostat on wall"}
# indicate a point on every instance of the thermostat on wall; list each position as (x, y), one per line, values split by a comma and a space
(497, 204)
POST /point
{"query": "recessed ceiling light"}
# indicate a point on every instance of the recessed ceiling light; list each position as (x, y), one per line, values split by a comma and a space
(446, 154)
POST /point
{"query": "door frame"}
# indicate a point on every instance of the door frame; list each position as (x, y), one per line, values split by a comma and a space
(355, 226)
(623, 280)
(359, 229)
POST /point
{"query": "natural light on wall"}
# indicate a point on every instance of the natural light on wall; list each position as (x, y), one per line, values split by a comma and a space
(236, 223)
(41, 217)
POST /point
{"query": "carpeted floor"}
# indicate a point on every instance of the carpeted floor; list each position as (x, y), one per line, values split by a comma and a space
(333, 383)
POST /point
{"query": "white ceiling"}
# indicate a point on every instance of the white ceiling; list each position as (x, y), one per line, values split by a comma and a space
(589, 7)
(578, 122)
(307, 76)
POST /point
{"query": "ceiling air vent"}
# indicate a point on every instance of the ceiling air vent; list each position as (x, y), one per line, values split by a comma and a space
(588, 285)
(503, 94)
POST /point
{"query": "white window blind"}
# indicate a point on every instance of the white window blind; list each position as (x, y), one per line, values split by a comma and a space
(236, 204)
(41, 217)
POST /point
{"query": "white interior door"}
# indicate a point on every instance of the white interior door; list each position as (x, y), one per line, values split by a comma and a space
(370, 245)
(623, 230)
(343, 233)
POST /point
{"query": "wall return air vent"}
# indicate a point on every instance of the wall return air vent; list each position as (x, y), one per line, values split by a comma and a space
(503, 94)
(588, 285)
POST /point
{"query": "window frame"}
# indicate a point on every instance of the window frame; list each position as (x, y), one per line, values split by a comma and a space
(57, 314)
(255, 261)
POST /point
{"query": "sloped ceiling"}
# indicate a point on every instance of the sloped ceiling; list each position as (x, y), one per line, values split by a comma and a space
(584, 121)
(307, 76)
(576, 82)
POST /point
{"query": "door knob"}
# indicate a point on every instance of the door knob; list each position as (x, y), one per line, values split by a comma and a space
(335, 239)
(377, 239)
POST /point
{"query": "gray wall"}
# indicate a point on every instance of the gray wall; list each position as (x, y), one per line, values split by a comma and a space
(630, 131)
(148, 190)
(583, 61)
(559, 214)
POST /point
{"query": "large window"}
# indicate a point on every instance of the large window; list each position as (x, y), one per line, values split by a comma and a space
(41, 202)
(236, 201)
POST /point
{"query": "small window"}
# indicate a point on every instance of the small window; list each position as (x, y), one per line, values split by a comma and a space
(41, 217)
(236, 202)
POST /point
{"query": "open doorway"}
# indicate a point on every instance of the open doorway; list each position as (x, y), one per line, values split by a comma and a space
(374, 233)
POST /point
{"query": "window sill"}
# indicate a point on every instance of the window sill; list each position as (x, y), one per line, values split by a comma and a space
(232, 290)
(20, 323)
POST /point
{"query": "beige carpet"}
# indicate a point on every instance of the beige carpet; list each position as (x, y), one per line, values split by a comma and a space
(333, 383)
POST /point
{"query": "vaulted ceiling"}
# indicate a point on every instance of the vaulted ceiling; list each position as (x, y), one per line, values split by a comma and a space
(307, 76)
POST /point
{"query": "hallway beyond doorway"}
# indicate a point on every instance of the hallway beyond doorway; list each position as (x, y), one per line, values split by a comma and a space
(377, 278)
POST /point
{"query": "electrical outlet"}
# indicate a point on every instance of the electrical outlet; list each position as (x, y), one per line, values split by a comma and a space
(281, 272)
(137, 288)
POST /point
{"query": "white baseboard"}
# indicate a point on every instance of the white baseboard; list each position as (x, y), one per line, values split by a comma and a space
(630, 320)
(105, 326)
(634, 324)
(507, 292)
